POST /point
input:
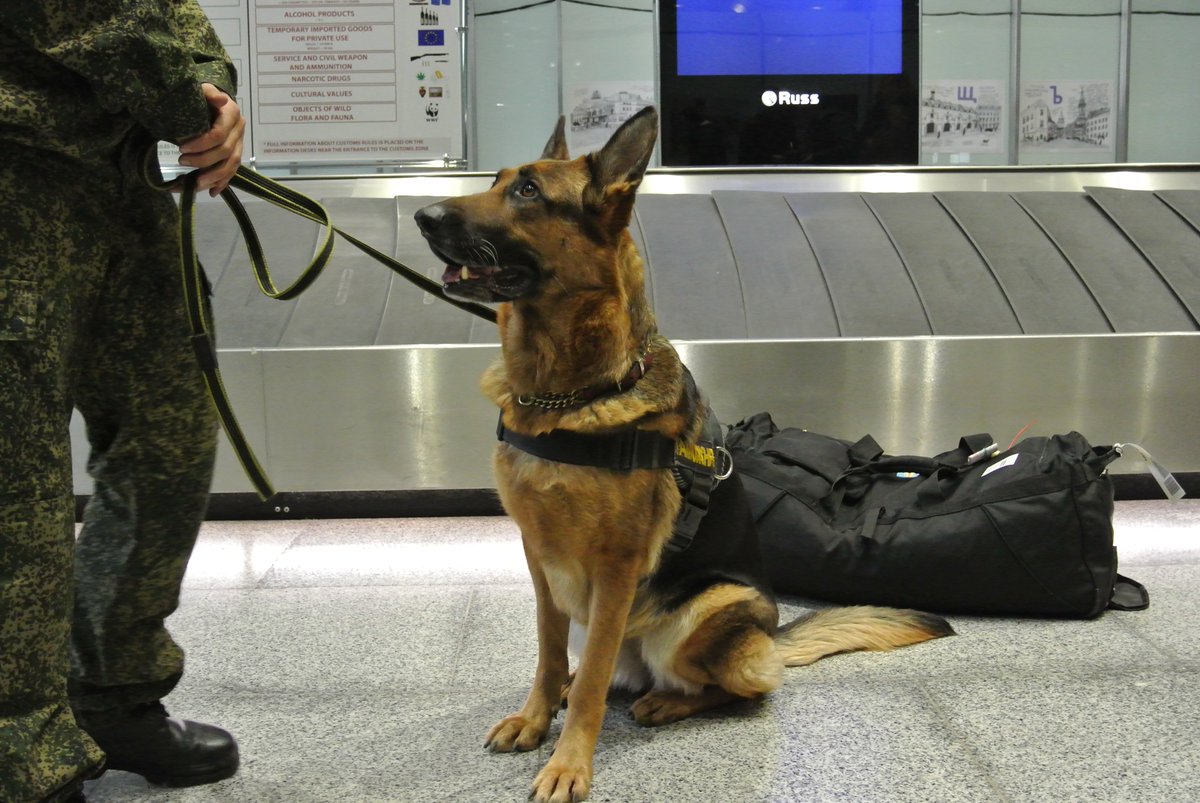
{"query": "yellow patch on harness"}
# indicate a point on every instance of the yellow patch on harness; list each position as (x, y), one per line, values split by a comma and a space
(700, 455)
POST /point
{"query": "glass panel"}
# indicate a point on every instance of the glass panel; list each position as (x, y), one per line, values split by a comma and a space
(1069, 90)
(1079, 8)
(516, 81)
(936, 7)
(1164, 109)
(965, 63)
(608, 68)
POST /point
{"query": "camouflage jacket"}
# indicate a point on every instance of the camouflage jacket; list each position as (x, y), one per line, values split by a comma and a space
(78, 76)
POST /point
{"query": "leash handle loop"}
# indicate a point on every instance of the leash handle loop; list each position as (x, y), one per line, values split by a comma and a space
(203, 345)
(290, 200)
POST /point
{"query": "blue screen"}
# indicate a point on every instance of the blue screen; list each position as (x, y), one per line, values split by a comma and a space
(788, 37)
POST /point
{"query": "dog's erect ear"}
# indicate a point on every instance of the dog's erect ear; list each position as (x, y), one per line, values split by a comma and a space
(556, 146)
(623, 159)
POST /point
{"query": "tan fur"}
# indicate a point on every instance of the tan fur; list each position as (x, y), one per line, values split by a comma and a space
(593, 536)
(861, 627)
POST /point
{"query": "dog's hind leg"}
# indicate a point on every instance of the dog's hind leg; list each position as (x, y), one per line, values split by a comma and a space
(718, 649)
(526, 729)
(662, 706)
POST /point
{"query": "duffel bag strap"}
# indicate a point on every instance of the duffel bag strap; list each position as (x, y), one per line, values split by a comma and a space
(865, 451)
(976, 447)
(1128, 595)
(973, 443)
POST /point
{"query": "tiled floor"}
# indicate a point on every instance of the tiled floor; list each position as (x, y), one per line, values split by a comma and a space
(364, 661)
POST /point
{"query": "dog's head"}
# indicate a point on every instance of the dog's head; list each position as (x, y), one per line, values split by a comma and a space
(527, 235)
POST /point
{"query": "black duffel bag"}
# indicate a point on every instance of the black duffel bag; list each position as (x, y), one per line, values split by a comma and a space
(972, 530)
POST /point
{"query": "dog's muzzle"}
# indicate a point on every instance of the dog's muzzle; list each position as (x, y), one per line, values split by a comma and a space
(474, 267)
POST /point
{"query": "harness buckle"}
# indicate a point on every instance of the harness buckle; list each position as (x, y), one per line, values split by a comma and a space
(723, 474)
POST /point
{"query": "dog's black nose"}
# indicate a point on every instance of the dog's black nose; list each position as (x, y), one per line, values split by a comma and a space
(430, 217)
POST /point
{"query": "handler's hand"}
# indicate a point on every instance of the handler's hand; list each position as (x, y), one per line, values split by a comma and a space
(218, 151)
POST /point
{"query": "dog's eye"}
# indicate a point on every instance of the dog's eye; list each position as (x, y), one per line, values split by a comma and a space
(527, 189)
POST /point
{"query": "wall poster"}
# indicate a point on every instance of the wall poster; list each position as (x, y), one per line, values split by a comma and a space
(329, 81)
(356, 81)
(966, 116)
(1067, 117)
(594, 110)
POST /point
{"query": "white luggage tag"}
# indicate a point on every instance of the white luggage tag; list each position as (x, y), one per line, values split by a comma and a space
(1170, 486)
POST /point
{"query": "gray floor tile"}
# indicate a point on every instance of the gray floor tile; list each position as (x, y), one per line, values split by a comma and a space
(1154, 532)
(238, 554)
(365, 661)
(322, 639)
(1169, 624)
(1128, 737)
(862, 742)
(500, 639)
(375, 748)
(403, 552)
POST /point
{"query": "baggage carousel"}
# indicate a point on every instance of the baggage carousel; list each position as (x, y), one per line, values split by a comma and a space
(914, 304)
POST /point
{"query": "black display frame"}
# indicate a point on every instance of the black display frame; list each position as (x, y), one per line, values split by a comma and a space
(864, 119)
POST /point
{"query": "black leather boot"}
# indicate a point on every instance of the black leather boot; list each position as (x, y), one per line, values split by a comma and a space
(164, 750)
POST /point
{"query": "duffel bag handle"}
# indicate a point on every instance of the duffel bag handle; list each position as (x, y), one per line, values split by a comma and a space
(867, 457)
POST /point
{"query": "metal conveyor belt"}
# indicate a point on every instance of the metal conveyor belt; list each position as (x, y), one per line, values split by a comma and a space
(734, 265)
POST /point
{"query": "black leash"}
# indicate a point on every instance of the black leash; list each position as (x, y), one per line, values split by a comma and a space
(194, 286)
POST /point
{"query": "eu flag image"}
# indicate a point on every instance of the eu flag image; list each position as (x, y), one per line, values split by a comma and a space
(431, 38)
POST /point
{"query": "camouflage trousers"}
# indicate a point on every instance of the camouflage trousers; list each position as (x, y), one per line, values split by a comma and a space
(91, 317)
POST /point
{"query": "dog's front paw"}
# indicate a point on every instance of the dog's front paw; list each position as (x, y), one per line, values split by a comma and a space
(516, 732)
(562, 782)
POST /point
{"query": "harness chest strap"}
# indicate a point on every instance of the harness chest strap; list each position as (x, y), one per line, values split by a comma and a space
(698, 467)
(621, 451)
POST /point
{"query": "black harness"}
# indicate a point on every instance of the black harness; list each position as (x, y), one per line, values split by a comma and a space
(698, 467)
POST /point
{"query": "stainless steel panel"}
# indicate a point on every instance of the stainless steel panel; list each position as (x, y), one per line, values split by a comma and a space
(378, 418)
(403, 418)
(919, 395)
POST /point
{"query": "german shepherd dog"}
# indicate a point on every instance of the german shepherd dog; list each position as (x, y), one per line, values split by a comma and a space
(693, 628)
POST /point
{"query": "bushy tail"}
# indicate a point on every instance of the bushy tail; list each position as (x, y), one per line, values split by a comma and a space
(861, 627)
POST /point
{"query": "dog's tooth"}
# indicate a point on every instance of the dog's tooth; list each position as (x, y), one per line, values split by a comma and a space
(465, 274)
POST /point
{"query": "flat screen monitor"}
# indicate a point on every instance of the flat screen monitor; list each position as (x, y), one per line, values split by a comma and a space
(788, 82)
